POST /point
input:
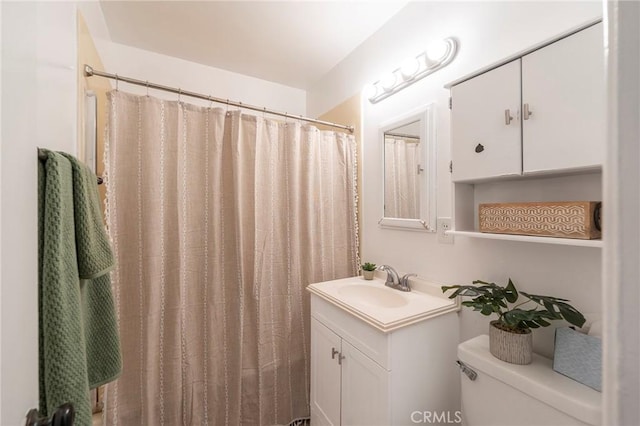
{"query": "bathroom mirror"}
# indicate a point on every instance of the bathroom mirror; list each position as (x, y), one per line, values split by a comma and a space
(409, 169)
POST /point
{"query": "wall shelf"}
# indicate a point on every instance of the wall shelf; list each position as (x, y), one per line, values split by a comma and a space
(528, 238)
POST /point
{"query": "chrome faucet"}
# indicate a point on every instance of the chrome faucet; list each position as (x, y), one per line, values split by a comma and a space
(392, 276)
(393, 279)
(404, 282)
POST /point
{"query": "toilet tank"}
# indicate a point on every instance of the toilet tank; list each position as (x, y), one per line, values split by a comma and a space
(506, 394)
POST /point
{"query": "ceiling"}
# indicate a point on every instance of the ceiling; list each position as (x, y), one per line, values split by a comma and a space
(291, 42)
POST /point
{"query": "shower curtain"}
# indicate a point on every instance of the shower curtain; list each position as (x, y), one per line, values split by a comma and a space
(401, 178)
(218, 222)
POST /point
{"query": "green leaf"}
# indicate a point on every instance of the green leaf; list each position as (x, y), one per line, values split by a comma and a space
(549, 306)
(510, 292)
(486, 310)
(542, 322)
(489, 298)
(571, 314)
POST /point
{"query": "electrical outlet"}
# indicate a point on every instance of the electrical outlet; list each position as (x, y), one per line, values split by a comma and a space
(443, 224)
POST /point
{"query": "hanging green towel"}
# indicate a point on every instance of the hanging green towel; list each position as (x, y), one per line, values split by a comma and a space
(79, 343)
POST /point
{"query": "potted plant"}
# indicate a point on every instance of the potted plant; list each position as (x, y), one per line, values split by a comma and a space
(368, 270)
(510, 336)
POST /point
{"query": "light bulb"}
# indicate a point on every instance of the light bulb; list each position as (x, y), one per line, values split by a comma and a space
(437, 51)
(372, 91)
(388, 81)
(409, 68)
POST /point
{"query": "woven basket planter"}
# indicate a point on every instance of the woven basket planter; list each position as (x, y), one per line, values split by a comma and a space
(510, 347)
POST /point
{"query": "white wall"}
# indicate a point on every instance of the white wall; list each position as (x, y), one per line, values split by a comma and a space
(170, 71)
(621, 296)
(487, 32)
(38, 106)
(0, 213)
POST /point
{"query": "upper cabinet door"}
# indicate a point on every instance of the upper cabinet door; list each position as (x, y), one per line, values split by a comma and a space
(486, 139)
(563, 88)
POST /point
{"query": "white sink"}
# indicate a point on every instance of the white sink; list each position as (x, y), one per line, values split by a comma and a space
(385, 308)
(373, 295)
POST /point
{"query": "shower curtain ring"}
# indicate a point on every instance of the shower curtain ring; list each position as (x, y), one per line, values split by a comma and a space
(264, 112)
(227, 106)
(147, 88)
(179, 94)
(117, 82)
(210, 102)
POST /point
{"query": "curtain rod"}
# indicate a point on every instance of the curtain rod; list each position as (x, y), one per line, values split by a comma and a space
(402, 135)
(89, 72)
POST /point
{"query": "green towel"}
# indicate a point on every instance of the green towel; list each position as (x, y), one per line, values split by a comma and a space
(79, 343)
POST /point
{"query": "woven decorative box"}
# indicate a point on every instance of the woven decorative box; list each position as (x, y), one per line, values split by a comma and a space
(564, 219)
(579, 357)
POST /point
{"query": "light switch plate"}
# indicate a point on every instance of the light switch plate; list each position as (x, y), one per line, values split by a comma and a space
(443, 224)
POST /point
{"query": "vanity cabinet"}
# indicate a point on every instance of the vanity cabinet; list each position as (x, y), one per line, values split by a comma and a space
(347, 386)
(540, 113)
(363, 376)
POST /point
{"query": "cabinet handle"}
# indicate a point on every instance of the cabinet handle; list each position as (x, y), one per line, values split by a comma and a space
(340, 358)
(526, 112)
(335, 352)
(507, 117)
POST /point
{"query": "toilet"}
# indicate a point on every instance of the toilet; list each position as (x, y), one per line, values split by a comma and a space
(503, 394)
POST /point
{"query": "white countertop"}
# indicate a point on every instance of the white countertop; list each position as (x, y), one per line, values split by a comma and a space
(385, 308)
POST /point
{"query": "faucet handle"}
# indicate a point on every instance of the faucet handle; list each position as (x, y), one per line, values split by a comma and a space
(404, 281)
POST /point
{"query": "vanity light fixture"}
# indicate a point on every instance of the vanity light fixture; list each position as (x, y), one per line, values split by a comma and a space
(437, 55)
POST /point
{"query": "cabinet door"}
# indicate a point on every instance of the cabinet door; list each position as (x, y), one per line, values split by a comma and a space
(563, 85)
(325, 375)
(365, 389)
(485, 142)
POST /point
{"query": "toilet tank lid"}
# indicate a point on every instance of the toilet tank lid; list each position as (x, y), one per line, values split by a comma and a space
(537, 380)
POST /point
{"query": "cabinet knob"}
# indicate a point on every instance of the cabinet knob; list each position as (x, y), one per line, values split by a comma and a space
(507, 117)
(479, 148)
(526, 112)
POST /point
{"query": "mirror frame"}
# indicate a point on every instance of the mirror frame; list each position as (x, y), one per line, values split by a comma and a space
(428, 190)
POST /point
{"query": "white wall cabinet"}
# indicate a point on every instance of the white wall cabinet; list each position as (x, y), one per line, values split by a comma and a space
(530, 128)
(540, 113)
(563, 86)
(485, 125)
(363, 376)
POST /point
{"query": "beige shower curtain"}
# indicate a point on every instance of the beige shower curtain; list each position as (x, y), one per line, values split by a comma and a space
(219, 221)
(401, 178)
